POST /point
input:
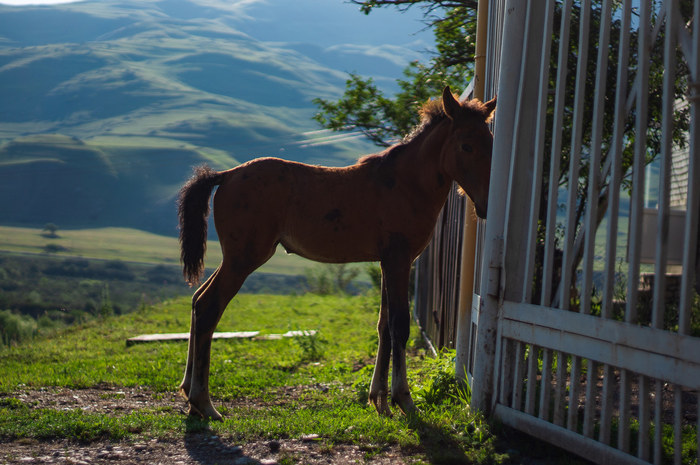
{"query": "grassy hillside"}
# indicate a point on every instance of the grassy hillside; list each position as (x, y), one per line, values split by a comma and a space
(76, 275)
(127, 245)
(105, 107)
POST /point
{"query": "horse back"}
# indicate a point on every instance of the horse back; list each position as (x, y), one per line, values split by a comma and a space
(325, 214)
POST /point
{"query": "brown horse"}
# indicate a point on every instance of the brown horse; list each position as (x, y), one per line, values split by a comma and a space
(383, 208)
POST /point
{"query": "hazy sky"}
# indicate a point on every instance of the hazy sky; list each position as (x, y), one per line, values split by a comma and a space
(35, 2)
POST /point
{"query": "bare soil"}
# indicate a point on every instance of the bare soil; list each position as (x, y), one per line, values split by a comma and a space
(206, 448)
(197, 448)
(193, 448)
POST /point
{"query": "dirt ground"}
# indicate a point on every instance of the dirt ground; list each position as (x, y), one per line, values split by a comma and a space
(195, 448)
(205, 447)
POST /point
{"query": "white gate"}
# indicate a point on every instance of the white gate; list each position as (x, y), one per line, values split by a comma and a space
(589, 366)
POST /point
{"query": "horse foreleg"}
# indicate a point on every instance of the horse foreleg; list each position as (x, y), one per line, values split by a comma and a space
(379, 389)
(187, 377)
(397, 275)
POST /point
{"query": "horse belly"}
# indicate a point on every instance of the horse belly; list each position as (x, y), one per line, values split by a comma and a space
(330, 244)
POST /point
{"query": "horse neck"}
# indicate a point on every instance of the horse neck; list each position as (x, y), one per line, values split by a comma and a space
(424, 160)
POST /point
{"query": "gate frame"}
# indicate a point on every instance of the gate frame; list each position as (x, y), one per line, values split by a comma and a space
(503, 314)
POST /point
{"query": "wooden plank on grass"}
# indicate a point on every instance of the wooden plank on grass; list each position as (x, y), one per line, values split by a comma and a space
(144, 338)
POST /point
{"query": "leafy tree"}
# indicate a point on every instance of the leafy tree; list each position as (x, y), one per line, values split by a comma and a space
(385, 119)
(50, 230)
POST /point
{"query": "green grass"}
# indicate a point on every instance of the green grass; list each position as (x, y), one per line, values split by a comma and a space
(95, 353)
(265, 388)
(129, 245)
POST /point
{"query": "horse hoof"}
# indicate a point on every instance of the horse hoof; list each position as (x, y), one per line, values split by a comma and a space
(383, 409)
(410, 410)
(405, 404)
(207, 413)
(382, 406)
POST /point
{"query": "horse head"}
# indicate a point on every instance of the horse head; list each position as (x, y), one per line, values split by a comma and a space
(466, 152)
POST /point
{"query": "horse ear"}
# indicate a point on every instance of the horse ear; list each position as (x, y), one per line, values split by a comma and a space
(490, 108)
(449, 103)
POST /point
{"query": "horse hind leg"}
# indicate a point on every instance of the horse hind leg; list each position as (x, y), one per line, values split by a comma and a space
(207, 311)
(187, 378)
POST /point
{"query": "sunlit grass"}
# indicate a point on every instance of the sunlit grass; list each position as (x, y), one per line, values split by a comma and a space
(264, 388)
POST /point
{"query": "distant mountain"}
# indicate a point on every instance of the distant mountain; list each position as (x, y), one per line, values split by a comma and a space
(105, 105)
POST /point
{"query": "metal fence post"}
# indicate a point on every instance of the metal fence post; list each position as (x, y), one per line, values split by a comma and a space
(466, 285)
(510, 65)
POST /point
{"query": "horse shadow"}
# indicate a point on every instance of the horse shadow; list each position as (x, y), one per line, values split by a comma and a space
(440, 446)
(206, 448)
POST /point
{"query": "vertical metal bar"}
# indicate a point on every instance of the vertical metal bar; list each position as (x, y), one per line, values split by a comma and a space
(575, 155)
(615, 158)
(517, 382)
(693, 202)
(594, 187)
(483, 382)
(531, 380)
(507, 367)
(594, 183)
(658, 420)
(545, 384)
(636, 204)
(640, 147)
(659, 21)
(555, 157)
(589, 406)
(643, 439)
(574, 385)
(539, 150)
(677, 417)
(623, 428)
(520, 181)
(560, 389)
(470, 225)
(659, 302)
(574, 161)
(606, 405)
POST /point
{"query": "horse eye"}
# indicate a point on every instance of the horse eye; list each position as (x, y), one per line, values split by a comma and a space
(466, 147)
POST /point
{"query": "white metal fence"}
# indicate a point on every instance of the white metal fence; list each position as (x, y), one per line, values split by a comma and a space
(582, 355)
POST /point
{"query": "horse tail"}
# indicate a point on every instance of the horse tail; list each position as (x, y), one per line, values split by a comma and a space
(193, 210)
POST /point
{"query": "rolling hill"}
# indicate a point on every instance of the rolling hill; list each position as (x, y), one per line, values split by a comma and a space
(106, 105)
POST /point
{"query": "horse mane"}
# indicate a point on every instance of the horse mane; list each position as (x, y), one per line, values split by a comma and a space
(431, 114)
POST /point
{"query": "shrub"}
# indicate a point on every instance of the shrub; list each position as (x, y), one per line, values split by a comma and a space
(375, 274)
(54, 248)
(15, 328)
(331, 278)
